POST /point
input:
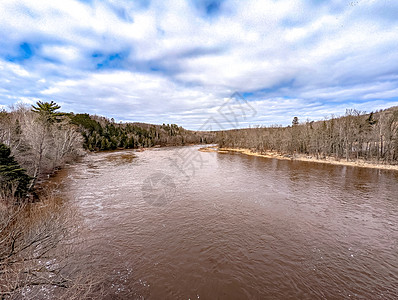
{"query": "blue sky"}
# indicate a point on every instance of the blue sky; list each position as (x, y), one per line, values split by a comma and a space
(179, 61)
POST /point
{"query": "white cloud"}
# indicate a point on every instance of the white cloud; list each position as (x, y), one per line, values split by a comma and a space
(176, 63)
(121, 93)
(12, 69)
(66, 54)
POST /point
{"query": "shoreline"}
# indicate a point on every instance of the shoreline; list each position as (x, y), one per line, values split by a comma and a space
(302, 157)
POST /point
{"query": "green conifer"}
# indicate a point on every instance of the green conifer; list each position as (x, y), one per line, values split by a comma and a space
(13, 179)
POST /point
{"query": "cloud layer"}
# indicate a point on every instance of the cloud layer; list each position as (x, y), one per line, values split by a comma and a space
(177, 61)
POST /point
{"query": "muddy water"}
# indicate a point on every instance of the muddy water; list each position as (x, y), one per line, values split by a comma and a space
(234, 226)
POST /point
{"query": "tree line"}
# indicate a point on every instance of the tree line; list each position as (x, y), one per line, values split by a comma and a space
(356, 135)
(100, 133)
(39, 139)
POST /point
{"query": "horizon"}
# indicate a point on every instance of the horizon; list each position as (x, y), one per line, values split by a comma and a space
(179, 62)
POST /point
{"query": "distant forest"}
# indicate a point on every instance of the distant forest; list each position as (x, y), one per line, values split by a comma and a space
(37, 140)
(100, 133)
(356, 135)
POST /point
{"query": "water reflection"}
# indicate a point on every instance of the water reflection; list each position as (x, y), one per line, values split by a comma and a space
(242, 228)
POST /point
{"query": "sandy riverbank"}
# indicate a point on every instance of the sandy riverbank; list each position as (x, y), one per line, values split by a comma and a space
(301, 157)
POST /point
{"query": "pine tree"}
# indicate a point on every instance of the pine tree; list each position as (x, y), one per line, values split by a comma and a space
(13, 179)
(47, 111)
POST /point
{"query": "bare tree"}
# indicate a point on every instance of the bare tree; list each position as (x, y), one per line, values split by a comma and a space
(36, 253)
(356, 135)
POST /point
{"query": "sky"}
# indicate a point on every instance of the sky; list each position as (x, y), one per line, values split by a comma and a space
(181, 61)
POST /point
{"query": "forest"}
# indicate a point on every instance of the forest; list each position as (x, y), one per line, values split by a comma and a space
(372, 137)
(100, 133)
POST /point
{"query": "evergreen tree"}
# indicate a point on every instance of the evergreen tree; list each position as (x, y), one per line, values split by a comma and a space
(47, 111)
(13, 179)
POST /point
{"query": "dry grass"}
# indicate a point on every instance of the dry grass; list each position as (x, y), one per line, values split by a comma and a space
(209, 149)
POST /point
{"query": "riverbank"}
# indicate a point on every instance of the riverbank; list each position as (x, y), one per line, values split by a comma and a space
(302, 157)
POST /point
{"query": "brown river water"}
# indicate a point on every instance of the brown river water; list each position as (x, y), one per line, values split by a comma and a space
(176, 223)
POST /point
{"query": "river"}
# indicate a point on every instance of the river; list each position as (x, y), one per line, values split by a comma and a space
(176, 223)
